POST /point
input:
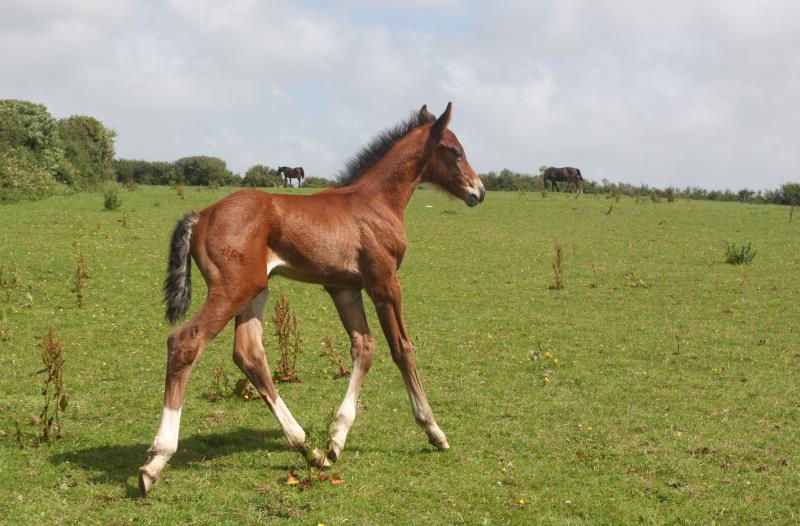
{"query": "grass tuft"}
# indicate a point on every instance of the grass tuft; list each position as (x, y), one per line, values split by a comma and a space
(739, 254)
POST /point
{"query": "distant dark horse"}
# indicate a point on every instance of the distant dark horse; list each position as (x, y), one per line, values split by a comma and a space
(291, 173)
(568, 175)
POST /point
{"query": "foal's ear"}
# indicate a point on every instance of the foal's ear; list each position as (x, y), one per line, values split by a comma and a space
(425, 116)
(441, 123)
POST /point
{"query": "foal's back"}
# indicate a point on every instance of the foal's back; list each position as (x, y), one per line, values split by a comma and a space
(319, 238)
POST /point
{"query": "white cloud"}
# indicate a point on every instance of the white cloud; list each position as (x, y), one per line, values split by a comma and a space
(641, 91)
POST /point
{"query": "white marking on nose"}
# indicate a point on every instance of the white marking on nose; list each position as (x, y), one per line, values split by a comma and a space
(474, 192)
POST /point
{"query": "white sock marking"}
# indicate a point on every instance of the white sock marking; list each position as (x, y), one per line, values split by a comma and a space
(166, 442)
(294, 433)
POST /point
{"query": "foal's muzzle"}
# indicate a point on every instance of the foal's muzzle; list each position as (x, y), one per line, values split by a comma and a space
(475, 196)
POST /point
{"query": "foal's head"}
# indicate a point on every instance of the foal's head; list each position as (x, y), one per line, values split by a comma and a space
(447, 164)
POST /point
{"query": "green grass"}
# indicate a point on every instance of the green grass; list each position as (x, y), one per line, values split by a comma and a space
(659, 387)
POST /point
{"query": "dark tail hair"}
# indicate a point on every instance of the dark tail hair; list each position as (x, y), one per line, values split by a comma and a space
(178, 283)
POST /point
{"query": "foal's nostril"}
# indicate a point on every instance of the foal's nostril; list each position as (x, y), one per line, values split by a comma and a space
(483, 195)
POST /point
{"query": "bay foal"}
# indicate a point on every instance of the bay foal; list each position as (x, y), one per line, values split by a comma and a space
(347, 239)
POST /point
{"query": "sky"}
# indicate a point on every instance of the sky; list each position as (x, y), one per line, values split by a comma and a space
(682, 93)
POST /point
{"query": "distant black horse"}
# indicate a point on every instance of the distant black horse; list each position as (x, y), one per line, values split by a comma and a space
(291, 173)
(568, 175)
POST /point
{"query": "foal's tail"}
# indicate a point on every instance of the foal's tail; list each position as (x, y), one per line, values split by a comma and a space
(178, 283)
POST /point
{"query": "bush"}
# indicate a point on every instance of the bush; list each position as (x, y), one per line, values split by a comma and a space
(203, 170)
(112, 199)
(145, 172)
(260, 175)
(739, 254)
(30, 152)
(316, 182)
(21, 179)
(88, 149)
(511, 181)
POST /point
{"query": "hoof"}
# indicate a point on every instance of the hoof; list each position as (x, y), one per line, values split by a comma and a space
(320, 460)
(145, 482)
(333, 450)
(438, 439)
(443, 445)
(332, 455)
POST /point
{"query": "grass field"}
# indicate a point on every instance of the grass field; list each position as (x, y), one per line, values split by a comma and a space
(660, 386)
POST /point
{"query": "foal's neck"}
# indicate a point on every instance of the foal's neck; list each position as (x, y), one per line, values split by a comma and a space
(394, 178)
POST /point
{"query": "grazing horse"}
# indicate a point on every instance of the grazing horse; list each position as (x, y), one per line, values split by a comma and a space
(568, 175)
(347, 239)
(291, 173)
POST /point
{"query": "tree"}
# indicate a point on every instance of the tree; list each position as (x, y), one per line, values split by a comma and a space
(202, 170)
(790, 194)
(511, 181)
(88, 148)
(145, 172)
(30, 151)
(261, 175)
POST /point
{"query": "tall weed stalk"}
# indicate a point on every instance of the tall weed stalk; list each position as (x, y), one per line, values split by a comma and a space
(55, 400)
(558, 267)
(287, 331)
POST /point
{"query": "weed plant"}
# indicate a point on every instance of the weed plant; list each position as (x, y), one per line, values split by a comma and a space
(220, 385)
(55, 400)
(739, 254)
(558, 267)
(287, 331)
(336, 359)
(81, 275)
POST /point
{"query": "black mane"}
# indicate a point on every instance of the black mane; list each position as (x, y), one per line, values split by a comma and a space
(377, 148)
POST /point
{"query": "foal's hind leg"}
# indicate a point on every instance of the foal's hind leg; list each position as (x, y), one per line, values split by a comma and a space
(362, 347)
(183, 347)
(248, 353)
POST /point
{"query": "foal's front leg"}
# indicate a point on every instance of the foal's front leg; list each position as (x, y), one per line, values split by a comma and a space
(387, 297)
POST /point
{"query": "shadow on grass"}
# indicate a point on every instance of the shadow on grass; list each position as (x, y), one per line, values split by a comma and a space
(117, 464)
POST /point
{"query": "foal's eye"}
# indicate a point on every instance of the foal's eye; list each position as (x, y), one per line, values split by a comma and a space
(455, 150)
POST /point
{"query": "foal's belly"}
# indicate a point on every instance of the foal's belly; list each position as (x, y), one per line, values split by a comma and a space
(327, 270)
